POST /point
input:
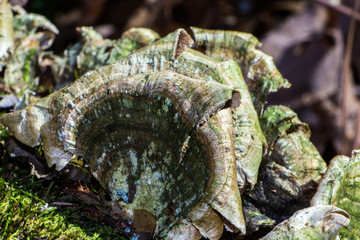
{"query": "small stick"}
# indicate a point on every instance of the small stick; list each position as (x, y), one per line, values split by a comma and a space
(340, 8)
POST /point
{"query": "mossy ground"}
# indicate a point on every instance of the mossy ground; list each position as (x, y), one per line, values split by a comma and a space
(351, 232)
(25, 211)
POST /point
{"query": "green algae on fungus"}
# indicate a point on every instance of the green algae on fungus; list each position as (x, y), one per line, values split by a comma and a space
(340, 187)
(260, 72)
(174, 53)
(289, 145)
(320, 222)
(290, 171)
(118, 129)
(94, 51)
(32, 34)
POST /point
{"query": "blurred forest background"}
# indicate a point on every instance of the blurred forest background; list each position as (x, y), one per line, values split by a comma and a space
(315, 45)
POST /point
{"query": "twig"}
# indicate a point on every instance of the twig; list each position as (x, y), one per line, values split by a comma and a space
(346, 73)
(62, 204)
(340, 8)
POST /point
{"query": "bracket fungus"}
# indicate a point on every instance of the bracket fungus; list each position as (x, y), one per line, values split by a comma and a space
(340, 187)
(175, 133)
(149, 138)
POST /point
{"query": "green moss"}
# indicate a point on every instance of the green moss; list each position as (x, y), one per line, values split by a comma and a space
(24, 210)
(25, 216)
(348, 197)
(352, 231)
